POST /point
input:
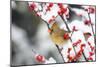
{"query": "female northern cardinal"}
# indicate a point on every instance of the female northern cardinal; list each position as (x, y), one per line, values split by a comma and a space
(58, 36)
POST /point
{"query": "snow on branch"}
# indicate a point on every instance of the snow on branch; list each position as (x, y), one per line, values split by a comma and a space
(75, 20)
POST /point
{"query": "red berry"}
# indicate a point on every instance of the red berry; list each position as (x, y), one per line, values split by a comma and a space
(48, 9)
(60, 5)
(92, 48)
(79, 54)
(40, 58)
(74, 28)
(69, 49)
(79, 41)
(32, 6)
(90, 58)
(70, 58)
(50, 20)
(89, 43)
(59, 12)
(50, 4)
(37, 14)
(74, 44)
(66, 36)
(91, 10)
(63, 10)
(87, 22)
(91, 53)
(83, 45)
(82, 50)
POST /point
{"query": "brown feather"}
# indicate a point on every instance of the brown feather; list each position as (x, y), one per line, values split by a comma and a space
(57, 34)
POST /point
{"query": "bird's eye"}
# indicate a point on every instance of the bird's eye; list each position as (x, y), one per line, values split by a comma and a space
(52, 30)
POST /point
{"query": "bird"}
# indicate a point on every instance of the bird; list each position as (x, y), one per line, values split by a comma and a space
(57, 35)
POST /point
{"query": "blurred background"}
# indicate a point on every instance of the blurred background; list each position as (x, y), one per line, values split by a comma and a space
(29, 33)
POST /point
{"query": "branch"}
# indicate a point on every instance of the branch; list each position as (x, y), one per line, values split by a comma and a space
(60, 52)
(92, 27)
(71, 39)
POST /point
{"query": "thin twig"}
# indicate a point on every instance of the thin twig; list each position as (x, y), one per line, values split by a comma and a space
(43, 20)
(66, 24)
(60, 52)
(46, 23)
(91, 26)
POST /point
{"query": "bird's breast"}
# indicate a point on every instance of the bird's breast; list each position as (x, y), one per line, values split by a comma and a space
(57, 38)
